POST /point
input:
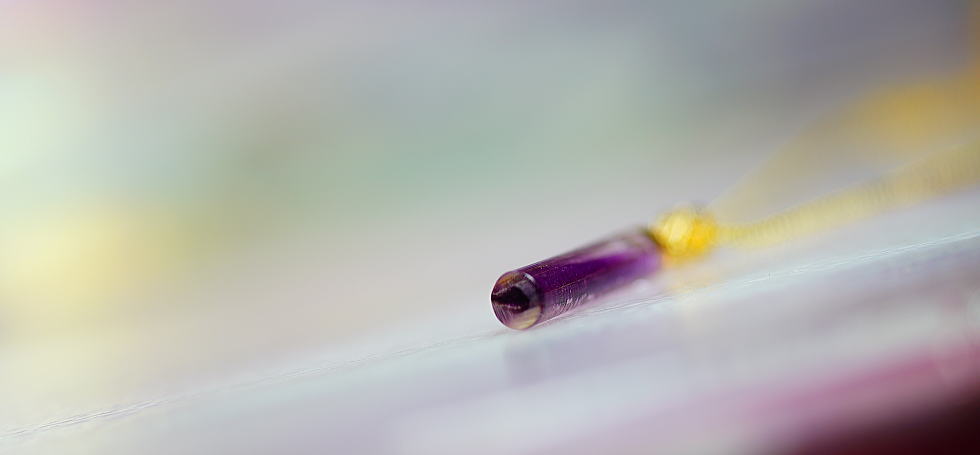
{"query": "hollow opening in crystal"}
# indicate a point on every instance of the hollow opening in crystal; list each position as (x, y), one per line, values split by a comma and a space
(515, 302)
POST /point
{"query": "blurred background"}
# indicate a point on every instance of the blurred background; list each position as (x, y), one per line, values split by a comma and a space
(200, 192)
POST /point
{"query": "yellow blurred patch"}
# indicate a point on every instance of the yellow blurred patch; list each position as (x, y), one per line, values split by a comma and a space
(67, 260)
(910, 118)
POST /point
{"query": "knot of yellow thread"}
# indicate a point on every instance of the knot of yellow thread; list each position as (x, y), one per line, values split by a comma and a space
(685, 233)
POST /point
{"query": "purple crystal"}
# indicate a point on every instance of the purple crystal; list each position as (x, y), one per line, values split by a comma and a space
(533, 294)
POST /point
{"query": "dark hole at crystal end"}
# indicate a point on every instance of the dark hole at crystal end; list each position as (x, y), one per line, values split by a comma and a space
(515, 301)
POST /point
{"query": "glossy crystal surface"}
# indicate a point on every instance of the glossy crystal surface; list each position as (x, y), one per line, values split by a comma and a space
(538, 292)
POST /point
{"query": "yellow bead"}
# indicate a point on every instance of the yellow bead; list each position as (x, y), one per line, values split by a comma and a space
(685, 233)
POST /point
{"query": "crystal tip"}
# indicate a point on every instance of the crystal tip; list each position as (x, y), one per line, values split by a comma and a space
(515, 301)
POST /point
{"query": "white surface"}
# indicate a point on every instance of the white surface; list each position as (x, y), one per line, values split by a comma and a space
(609, 374)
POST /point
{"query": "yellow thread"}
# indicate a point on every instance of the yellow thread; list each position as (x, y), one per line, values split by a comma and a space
(936, 175)
(688, 233)
(900, 122)
(685, 233)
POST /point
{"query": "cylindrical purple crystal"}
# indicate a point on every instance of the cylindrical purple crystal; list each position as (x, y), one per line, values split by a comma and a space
(533, 294)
